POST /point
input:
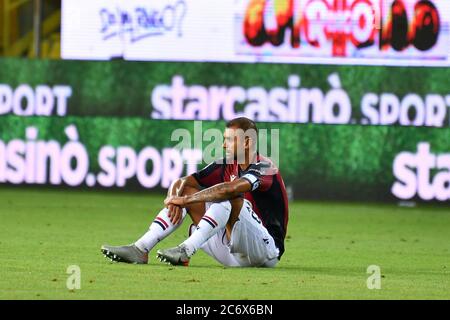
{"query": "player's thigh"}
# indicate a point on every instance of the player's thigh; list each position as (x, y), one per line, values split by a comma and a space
(250, 241)
(217, 247)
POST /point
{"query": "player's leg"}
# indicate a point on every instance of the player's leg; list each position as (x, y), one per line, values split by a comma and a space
(137, 252)
(163, 227)
(218, 248)
(219, 216)
(214, 220)
(159, 229)
(236, 208)
(195, 210)
(251, 244)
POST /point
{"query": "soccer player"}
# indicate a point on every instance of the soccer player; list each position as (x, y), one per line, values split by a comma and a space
(238, 207)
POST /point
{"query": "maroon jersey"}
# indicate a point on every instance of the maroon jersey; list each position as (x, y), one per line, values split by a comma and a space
(268, 195)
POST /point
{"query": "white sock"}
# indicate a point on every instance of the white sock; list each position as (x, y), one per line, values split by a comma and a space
(159, 229)
(215, 218)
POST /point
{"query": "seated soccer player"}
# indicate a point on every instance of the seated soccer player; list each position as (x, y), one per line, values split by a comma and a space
(238, 207)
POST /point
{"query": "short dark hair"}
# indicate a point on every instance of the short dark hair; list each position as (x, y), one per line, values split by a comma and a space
(242, 123)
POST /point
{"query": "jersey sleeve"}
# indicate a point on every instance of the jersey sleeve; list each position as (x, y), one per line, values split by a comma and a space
(259, 175)
(210, 175)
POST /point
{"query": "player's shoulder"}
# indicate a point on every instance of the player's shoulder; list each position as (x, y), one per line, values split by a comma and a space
(264, 161)
(221, 162)
(263, 166)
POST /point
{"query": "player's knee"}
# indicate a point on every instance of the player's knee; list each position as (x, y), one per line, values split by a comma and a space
(188, 190)
(224, 206)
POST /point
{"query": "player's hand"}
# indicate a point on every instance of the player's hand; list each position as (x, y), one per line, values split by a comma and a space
(175, 200)
(175, 213)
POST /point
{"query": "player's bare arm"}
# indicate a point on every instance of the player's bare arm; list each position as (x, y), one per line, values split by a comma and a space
(176, 190)
(219, 192)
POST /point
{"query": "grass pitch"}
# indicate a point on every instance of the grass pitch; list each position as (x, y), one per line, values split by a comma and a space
(328, 250)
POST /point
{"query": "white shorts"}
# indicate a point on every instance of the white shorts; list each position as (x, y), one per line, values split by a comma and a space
(251, 244)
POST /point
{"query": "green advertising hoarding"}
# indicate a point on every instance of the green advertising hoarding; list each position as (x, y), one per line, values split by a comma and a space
(351, 133)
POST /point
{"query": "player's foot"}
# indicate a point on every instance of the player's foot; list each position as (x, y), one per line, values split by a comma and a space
(128, 254)
(175, 256)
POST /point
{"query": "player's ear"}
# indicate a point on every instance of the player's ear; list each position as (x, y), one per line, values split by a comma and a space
(247, 142)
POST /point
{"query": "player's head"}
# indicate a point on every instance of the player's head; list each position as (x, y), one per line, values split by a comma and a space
(239, 138)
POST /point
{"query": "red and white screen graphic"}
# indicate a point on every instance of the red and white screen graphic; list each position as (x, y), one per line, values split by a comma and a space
(343, 28)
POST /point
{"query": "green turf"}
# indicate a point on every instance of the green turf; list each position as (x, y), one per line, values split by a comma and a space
(328, 249)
